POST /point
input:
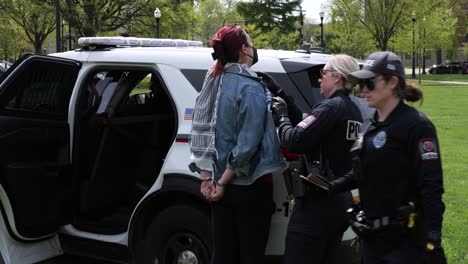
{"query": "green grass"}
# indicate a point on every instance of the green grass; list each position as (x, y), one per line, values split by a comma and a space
(447, 107)
(441, 77)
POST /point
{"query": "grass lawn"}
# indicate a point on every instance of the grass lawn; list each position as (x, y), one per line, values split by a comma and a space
(441, 77)
(447, 107)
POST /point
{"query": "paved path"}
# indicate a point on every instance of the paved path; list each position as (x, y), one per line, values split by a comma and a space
(448, 82)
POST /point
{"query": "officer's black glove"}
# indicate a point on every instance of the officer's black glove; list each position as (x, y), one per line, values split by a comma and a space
(434, 253)
(271, 84)
(280, 110)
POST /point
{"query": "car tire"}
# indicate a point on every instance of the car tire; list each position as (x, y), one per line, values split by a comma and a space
(179, 234)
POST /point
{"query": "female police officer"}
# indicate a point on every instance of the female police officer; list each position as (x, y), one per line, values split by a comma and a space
(318, 221)
(399, 168)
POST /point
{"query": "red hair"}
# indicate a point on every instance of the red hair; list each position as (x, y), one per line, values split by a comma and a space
(227, 43)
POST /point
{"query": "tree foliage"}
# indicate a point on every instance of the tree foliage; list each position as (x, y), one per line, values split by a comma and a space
(387, 25)
(267, 15)
(273, 23)
(90, 17)
(351, 36)
(36, 18)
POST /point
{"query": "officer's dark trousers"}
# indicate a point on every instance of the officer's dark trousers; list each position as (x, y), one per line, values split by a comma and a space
(316, 228)
(241, 224)
(403, 249)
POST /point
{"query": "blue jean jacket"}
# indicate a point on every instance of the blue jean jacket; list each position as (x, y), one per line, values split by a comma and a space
(246, 139)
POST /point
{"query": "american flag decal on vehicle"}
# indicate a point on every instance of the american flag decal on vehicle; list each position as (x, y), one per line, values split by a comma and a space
(188, 114)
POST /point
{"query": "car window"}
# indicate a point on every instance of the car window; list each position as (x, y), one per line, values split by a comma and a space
(40, 88)
(195, 77)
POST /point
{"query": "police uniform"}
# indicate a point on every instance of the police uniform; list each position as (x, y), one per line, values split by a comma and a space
(319, 220)
(400, 164)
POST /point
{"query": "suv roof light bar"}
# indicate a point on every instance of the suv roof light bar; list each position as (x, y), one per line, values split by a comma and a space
(136, 42)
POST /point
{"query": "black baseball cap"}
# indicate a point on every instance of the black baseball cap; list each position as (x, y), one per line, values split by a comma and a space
(381, 63)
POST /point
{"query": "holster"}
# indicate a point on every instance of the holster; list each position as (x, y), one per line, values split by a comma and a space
(390, 228)
(294, 185)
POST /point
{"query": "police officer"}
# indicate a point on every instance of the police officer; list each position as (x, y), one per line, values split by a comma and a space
(318, 220)
(399, 175)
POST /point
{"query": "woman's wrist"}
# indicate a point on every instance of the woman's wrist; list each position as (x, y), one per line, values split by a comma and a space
(217, 183)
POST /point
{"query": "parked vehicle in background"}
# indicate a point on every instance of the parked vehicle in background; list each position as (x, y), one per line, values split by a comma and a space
(5, 64)
(94, 151)
(465, 67)
(449, 67)
(2, 70)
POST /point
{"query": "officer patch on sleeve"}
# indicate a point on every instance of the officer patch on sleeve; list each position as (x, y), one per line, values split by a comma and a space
(307, 122)
(428, 149)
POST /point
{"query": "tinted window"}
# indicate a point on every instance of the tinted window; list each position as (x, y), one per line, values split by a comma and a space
(195, 77)
(307, 83)
(40, 87)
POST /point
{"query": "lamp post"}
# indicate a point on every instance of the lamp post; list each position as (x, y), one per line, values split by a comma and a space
(424, 47)
(157, 15)
(413, 72)
(321, 14)
(58, 41)
(69, 37)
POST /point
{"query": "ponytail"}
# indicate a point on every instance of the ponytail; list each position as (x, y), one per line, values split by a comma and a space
(409, 92)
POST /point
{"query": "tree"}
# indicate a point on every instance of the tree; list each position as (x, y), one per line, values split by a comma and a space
(434, 27)
(273, 39)
(379, 17)
(351, 36)
(36, 18)
(90, 17)
(10, 39)
(267, 15)
(273, 23)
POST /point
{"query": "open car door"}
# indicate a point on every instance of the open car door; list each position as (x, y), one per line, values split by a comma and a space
(36, 180)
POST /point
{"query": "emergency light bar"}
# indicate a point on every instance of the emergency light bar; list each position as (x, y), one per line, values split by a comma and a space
(136, 42)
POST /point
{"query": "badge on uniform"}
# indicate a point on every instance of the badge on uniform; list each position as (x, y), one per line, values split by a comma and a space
(307, 122)
(380, 139)
(428, 149)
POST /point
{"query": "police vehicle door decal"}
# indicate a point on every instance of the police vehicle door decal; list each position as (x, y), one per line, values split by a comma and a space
(353, 130)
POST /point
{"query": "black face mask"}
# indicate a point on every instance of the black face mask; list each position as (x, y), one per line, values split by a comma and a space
(255, 55)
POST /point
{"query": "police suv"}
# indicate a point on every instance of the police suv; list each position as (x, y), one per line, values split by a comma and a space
(94, 151)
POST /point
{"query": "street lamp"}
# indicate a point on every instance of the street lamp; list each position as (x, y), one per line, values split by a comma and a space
(424, 46)
(157, 15)
(413, 73)
(58, 41)
(321, 14)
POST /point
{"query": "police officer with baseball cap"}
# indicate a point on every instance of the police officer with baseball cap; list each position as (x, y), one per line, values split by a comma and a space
(397, 168)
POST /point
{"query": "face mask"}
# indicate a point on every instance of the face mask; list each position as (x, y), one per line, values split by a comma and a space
(255, 55)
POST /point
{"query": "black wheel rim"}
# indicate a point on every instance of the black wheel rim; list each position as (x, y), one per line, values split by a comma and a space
(185, 248)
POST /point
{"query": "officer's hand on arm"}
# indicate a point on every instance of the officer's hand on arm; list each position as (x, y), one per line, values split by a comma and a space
(280, 110)
(271, 84)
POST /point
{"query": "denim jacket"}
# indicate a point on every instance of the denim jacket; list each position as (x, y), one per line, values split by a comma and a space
(246, 139)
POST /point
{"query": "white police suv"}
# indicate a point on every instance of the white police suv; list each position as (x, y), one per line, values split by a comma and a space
(94, 151)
